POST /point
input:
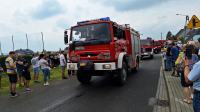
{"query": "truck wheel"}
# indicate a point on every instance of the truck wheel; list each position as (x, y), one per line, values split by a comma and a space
(83, 77)
(122, 75)
(156, 51)
(151, 56)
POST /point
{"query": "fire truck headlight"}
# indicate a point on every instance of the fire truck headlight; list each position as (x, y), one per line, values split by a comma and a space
(105, 55)
(75, 58)
(106, 66)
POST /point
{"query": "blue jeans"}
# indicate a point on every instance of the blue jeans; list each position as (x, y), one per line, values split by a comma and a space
(36, 70)
(46, 73)
(169, 63)
(196, 101)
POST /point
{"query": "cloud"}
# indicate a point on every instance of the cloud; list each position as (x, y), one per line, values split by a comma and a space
(128, 5)
(48, 8)
(62, 24)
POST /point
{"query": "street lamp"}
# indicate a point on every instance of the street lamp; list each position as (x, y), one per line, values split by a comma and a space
(186, 19)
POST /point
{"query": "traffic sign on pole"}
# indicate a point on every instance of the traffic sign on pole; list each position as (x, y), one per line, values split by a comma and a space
(194, 22)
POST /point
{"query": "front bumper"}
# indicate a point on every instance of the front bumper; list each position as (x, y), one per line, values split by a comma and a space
(97, 66)
(147, 54)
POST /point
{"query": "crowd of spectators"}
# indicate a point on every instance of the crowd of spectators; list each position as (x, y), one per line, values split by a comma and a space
(183, 61)
(18, 70)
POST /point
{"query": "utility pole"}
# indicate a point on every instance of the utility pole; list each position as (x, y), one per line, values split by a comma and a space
(26, 41)
(42, 41)
(161, 36)
(13, 43)
(0, 48)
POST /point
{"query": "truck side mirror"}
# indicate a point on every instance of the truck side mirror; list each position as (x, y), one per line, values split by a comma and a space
(65, 37)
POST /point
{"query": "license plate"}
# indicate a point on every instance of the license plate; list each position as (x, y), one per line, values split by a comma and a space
(82, 64)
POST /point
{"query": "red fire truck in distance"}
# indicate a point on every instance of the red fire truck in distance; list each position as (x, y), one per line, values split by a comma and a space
(102, 46)
(147, 47)
(158, 45)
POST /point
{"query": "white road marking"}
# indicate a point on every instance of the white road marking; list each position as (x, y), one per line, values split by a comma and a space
(56, 103)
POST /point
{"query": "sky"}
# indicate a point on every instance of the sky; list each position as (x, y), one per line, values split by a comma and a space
(52, 17)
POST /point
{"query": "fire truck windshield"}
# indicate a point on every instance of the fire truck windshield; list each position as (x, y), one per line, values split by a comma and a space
(93, 33)
(146, 42)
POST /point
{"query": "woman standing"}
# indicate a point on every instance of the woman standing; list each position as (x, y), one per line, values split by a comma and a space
(45, 68)
(189, 54)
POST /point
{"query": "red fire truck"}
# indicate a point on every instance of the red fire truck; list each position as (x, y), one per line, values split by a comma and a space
(147, 47)
(101, 45)
(158, 45)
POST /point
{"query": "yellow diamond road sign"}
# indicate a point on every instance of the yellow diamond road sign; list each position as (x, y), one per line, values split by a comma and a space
(194, 22)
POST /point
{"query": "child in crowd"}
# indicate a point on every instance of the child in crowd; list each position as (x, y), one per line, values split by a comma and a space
(36, 67)
(19, 65)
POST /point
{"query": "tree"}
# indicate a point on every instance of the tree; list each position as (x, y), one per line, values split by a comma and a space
(169, 35)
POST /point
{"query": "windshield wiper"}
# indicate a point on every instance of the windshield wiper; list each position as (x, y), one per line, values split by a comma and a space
(92, 39)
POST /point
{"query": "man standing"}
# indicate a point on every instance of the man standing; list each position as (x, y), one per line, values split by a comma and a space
(175, 54)
(11, 71)
(168, 58)
(194, 76)
(63, 64)
(36, 67)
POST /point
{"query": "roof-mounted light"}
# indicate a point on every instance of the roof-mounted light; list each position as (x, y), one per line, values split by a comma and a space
(105, 19)
(101, 19)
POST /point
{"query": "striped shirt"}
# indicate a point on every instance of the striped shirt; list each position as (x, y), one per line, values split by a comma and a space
(10, 66)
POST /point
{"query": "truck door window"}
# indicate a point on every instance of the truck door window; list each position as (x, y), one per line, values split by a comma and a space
(118, 33)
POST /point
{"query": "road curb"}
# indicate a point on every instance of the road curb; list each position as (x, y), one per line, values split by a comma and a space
(166, 87)
(162, 96)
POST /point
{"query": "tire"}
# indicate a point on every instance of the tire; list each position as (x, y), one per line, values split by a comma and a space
(156, 51)
(122, 75)
(151, 57)
(84, 77)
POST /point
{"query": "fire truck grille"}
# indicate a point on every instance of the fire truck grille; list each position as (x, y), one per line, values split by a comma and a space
(148, 49)
(88, 53)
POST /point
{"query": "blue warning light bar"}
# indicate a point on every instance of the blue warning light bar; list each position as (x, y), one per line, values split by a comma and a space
(100, 19)
(105, 19)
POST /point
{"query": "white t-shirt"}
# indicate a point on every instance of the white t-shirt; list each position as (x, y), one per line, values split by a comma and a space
(43, 63)
(35, 62)
(199, 52)
(62, 60)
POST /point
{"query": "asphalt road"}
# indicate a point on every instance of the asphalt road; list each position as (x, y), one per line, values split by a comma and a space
(101, 96)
